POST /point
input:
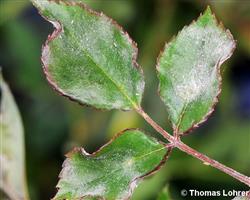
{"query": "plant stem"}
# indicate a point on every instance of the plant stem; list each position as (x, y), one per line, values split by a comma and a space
(208, 161)
(156, 126)
(185, 148)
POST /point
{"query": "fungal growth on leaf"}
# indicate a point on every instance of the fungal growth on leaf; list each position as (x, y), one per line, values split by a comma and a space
(189, 71)
(91, 60)
(114, 170)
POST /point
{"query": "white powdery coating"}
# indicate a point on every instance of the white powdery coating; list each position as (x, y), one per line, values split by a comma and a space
(96, 191)
(198, 80)
(90, 58)
(209, 47)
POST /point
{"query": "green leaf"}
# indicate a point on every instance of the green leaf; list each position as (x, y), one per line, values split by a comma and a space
(164, 194)
(114, 170)
(189, 71)
(12, 179)
(89, 58)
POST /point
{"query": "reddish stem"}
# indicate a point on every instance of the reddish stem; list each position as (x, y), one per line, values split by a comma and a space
(183, 147)
(208, 161)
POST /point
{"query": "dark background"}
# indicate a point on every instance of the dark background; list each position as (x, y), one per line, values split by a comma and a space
(53, 124)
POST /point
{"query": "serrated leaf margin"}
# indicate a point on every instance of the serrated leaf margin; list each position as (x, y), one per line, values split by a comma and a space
(218, 67)
(59, 28)
(134, 182)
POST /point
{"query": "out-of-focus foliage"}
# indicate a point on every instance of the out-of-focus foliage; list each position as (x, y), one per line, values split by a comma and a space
(53, 125)
(10, 9)
(164, 194)
(12, 159)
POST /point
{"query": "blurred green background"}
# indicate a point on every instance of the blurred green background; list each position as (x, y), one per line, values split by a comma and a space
(53, 124)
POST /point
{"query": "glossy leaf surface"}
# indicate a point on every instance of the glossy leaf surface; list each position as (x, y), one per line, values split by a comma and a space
(89, 58)
(189, 71)
(114, 170)
(12, 179)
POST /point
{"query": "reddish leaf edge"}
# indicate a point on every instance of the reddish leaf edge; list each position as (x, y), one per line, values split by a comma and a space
(59, 29)
(133, 183)
(219, 75)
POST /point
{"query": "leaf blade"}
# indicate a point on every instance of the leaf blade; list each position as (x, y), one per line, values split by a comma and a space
(114, 170)
(189, 71)
(89, 58)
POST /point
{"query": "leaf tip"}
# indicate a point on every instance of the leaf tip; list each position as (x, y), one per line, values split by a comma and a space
(207, 17)
(208, 10)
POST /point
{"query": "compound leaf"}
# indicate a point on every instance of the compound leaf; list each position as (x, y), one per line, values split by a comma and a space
(114, 170)
(89, 58)
(189, 71)
(12, 179)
